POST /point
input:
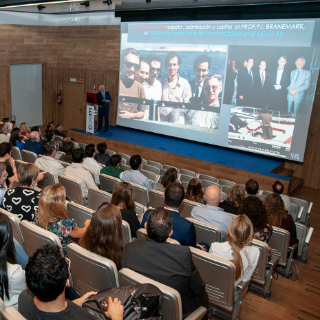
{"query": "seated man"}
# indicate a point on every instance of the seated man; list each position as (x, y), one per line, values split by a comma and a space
(77, 171)
(211, 213)
(102, 156)
(48, 161)
(34, 144)
(183, 230)
(58, 131)
(166, 263)
(278, 188)
(90, 163)
(114, 168)
(37, 128)
(252, 189)
(134, 175)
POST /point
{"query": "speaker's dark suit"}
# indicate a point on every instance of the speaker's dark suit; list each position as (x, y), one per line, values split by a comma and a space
(245, 88)
(103, 110)
(194, 99)
(170, 264)
(183, 230)
(262, 91)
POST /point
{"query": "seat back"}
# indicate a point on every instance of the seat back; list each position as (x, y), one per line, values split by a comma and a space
(15, 223)
(19, 162)
(28, 156)
(154, 164)
(150, 175)
(140, 209)
(82, 145)
(48, 179)
(167, 166)
(123, 161)
(35, 237)
(58, 138)
(65, 164)
(107, 182)
(126, 232)
(293, 211)
(110, 153)
(265, 193)
(185, 177)
(223, 195)
(91, 272)
(73, 189)
(124, 156)
(225, 189)
(171, 306)
(206, 184)
(259, 274)
(302, 231)
(16, 154)
(124, 167)
(279, 242)
(97, 197)
(142, 235)
(185, 185)
(150, 168)
(186, 208)
(156, 198)
(207, 178)
(205, 232)
(140, 194)
(301, 204)
(188, 173)
(79, 213)
(223, 182)
(12, 313)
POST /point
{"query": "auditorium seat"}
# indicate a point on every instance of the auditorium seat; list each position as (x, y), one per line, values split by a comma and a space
(151, 168)
(171, 306)
(206, 184)
(79, 213)
(124, 167)
(16, 154)
(166, 166)
(188, 173)
(186, 208)
(28, 156)
(90, 271)
(97, 197)
(140, 194)
(262, 277)
(154, 164)
(143, 161)
(265, 193)
(306, 209)
(48, 179)
(162, 171)
(224, 196)
(293, 211)
(43, 136)
(156, 198)
(150, 175)
(65, 164)
(82, 145)
(127, 238)
(219, 276)
(142, 235)
(12, 313)
(185, 185)
(184, 177)
(107, 182)
(207, 178)
(19, 162)
(224, 182)
(124, 156)
(73, 189)
(58, 138)
(123, 161)
(36, 237)
(206, 232)
(15, 224)
(111, 153)
(140, 209)
(303, 235)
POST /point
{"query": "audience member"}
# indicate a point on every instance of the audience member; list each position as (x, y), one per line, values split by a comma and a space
(5, 157)
(278, 188)
(48, 162)
(252, 187)
(183, 230)
(134, 175)
(3, 133)
(234, 197)
(14, 125)
(23, 200)
(50, 126)
(37, 128)
(9, 127)
(254, 209)
(24, 129)
(102, 156)
(59, 132)
(122, 197)
(34, 144)
(77, 171)
(238, 248)
(12, 280)
(50, 135)
(53, 216)
(68, 148)
(114, 169)
(16, 139)
(3, 177)
(167, 263)
(104, 234)
(90, 163)
(194, 191)
(47, 277)
(169, 176)
(211, 213)
(278, 217)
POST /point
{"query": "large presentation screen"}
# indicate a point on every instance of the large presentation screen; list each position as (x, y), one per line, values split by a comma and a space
(248, 85)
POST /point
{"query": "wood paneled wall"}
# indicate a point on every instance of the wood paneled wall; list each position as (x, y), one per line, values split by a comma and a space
(91, 53)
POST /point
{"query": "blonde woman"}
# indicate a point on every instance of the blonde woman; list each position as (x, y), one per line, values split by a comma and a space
(53, 216)
(24, 129)
(238, 248)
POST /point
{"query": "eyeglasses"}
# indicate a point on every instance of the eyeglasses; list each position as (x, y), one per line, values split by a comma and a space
(69, 263)
(129, 65)
(155, 69)
(208, 88)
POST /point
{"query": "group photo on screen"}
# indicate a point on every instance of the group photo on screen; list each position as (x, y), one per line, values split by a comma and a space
(268, 88)
(176, 86)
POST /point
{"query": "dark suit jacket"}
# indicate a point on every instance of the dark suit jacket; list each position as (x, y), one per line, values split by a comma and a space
(244, 88)
(34, 146)
(59, 133)
(284, 83)
(169, 264)
(100, 98)
(183, 230)
(193, 89)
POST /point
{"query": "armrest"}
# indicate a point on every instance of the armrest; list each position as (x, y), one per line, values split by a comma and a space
(300, 213)
(243, 286)
(291, 250)
(197, 314)
(274, 261)
(310, 206)
(308, 235)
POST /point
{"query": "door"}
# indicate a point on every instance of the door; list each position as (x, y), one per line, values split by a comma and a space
(74, 110)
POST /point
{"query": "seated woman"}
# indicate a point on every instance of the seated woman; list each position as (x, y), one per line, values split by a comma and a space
(278, 216)
(53, 215)
(194, 191)
(68, 148)
(23, 200)
(122, 197)
(16, 139)
(12, 281)
(238, 248)
(3, 177)
(169, 176)
(5, 157)
(104, 234)
(234, 197)
(24, 129)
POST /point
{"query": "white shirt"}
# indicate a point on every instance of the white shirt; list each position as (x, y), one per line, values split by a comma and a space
(224, 251)
(93, 165)
(4, 138)
(51, 165)
(279, 75)
(153, 92)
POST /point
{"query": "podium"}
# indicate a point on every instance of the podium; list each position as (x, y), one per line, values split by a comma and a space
(91, 117)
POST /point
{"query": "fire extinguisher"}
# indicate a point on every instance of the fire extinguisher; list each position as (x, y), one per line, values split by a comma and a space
(59, 98)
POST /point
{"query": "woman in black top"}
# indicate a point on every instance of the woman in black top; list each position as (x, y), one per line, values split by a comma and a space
(122, 197)
(235, 195)
(5, 157)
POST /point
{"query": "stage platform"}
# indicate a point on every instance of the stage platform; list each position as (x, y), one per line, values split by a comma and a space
(222, 163)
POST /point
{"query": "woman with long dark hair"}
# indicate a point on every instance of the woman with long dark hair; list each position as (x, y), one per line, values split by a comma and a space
(234, 197)
(104, 234)
(16, 139)
(169, 176)
(194, 191)
(12, 278)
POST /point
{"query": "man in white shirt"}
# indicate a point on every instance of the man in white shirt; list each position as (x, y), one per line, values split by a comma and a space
(77, 171)
(90, 163)
(3, 133)
(48, 162)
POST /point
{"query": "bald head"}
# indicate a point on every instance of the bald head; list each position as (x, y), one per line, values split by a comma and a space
(212, 196)
(34, 136)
